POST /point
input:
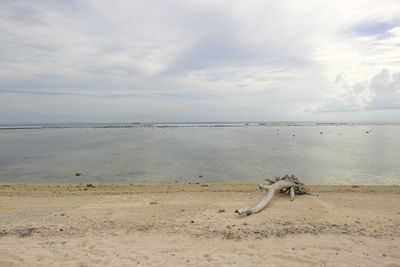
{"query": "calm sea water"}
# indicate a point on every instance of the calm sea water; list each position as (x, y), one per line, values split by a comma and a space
(334, 153)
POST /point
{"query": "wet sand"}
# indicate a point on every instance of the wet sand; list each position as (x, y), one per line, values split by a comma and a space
(195, 225)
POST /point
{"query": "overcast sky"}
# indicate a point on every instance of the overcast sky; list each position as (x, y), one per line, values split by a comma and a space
(133, 61)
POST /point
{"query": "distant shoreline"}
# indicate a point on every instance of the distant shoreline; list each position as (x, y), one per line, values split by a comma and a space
(34, 126)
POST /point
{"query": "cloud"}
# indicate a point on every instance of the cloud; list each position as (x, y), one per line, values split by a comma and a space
(262, 59)
(382, 92)
(386, 91)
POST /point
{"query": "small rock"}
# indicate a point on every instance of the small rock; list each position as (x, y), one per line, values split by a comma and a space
(355, 186)
(78, 174)
(153, 202)
(221, 210)
(191, 221)
(62, 214)
(61, 230)
(320, 132)
(204, 185)
(200, 176)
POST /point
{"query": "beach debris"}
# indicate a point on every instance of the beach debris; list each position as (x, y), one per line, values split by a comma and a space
(153, 203)
(221, 210)
(90, 185)
(204, 185)
(286, 184)
(78, 174)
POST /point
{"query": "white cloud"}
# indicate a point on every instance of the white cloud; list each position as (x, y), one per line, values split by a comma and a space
(386, 91)
(382, 92)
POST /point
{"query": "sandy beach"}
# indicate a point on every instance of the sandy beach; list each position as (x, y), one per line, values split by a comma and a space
(195, 225)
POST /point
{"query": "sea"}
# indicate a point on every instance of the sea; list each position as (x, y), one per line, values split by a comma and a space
(353, 153)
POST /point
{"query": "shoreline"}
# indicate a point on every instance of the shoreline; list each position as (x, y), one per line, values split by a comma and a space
(195, 224)
(195, 187)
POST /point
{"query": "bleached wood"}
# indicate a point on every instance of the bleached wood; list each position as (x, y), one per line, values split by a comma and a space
(291, 193)
(285, 184)
(270, 194)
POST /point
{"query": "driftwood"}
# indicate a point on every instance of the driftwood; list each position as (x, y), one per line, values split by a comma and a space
(287, 184)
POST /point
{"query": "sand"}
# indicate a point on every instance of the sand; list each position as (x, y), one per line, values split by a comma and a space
(195, 225)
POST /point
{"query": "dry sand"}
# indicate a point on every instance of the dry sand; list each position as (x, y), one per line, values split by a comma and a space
(173, 225)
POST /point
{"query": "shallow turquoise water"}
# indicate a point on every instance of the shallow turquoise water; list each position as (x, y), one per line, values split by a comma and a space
(342, 154)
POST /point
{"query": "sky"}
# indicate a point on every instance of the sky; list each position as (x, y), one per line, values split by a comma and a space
(168, 61)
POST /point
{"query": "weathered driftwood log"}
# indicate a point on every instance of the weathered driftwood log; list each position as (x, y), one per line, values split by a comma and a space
(287, 184)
